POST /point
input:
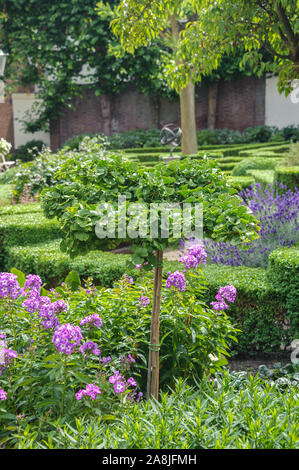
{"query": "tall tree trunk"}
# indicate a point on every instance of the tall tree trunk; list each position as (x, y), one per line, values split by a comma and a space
(188, 121)
(213, 92)
(187, 102)
(153, 357)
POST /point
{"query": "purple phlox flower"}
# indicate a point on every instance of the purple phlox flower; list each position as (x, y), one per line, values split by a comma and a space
(59, 306)
(229, 292)
(2, 335)
(115, 377)
(93, 319)
(105, 360)
(219, 305)
(129, 279)
(119, 387)
(189, 261)
(33, 282)
(128, 358)
(3, 395)
(131, 382)
(67, 337)
(177, 280)
(9, 286)
(91, 390)
(198, 251)
(90, 345)
(144, 301)
(6, 355)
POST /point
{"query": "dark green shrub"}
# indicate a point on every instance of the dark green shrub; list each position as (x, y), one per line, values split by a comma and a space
(283, 273)
(288, 176)
(74, 142)
(291, 133)
(29, 151)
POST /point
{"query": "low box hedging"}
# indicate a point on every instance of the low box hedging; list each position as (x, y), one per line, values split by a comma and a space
(264, 177)
(27, 228)
(46, 260)
(283, 273)
(259, 310)
(241, 182)
(20, 209)
(288, 176)
(254, 163)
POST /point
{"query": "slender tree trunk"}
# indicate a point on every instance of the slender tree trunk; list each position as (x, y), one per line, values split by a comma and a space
(188, 121)
(153, 357)
(187, 102)
(213, 92)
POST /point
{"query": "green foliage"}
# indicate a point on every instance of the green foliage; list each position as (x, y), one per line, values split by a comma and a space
(292, 157)
(27, 228)
(230, 411)
(240, 182)
(288, 176)
(6, 194)
(61, 64)
(209, 32)
(194, 340)
(283, 273)
(254, 163)
(29, 151)
(47, 260)
(259, 311)
(6, 177)
(264, 177)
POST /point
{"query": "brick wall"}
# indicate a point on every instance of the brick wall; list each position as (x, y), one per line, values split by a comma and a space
(240, 104)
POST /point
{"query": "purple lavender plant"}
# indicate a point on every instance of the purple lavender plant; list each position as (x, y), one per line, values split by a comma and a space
(277, 209)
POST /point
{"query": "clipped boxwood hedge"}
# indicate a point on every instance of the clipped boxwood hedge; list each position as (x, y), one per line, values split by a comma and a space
(241, 182)
(27, 228)
(254, 163)
(283, 273)
(20, 209)
(46, 260)
(288, 176)
(264, 177)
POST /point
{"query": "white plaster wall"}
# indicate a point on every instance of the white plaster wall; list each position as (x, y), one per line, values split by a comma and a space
(280, 110)
(22, 102)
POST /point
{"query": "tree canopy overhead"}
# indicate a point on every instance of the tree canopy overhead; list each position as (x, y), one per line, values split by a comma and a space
(48, 44)
(214, 28)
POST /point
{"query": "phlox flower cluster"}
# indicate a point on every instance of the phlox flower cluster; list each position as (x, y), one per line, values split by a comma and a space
(130, 359)
(67, 337)
(90, 346)
(176, 280)
(3, 395)
(198, 251)
(93, 319)
(144, 301)
(228, 293)
(9, 286)
(120, 384)
(196, 255)
(91, 390)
